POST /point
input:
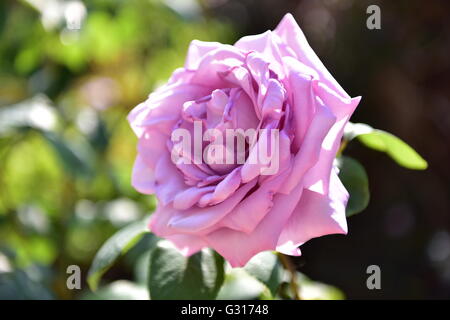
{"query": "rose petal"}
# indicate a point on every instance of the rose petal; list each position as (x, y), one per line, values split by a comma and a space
(197, 51)
(194, 220)
(239, 247)
(302, 99)
(214, 64)
(187, 244)
(264, 44)
(168, 180)
(273, 100)
(317, 178)
(187, 198)
(143, 177)
(314, 216)
(308, 154)
(151, 146)
(226, 187)
(289, 31)
(162, 109)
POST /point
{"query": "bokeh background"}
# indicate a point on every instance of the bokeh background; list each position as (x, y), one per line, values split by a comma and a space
(70, 71)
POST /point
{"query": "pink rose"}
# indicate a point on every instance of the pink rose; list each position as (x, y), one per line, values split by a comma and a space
(269, 81)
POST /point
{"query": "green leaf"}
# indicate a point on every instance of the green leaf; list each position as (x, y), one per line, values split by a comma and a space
(17, 285)
(354, 177)
(118, 290)
(99, 137)
(267, 268)
(113, 248)
(386, 142)
(397, 149)
(173, 276)
(71, 160)
(313, 290)
(239, 285)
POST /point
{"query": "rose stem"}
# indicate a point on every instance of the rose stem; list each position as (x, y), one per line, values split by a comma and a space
(287, 263)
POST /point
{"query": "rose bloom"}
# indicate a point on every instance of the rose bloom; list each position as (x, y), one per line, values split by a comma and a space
(271, 80)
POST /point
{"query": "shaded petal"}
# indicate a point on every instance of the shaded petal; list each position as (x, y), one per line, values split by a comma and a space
(187, 198)
(241, 77)
(151, 146)
(168, 180)
(243, 113)
(253, 166)
(227, 187)
(142, 178)
(187, 244)
(162, 109)
(214, 64)
(239, 247)
(249, 212)
(194, 220)
(309, 152)
(160, 218)
(302, 98)
(192, 173)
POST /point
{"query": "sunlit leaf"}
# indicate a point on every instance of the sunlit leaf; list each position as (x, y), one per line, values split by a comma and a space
(239, 285)
(397, 149)
(354, 177)
(119, 290)
(173, 276)
(114, 247)
(386, 142)
(313, 290)
(267, 268)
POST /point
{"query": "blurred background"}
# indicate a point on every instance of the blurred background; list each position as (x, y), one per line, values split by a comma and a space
(70, 71)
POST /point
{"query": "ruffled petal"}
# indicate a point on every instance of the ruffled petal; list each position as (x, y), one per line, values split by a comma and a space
(214, 64)
(197, 51)
(189, 197)
(168, 180)
(249, 213)
(264, 44)
(317, 179)
(226, 187)
(197, 220)
(162, 109)
(302, 98)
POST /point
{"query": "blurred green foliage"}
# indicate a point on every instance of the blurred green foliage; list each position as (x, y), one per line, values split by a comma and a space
(66, 150)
